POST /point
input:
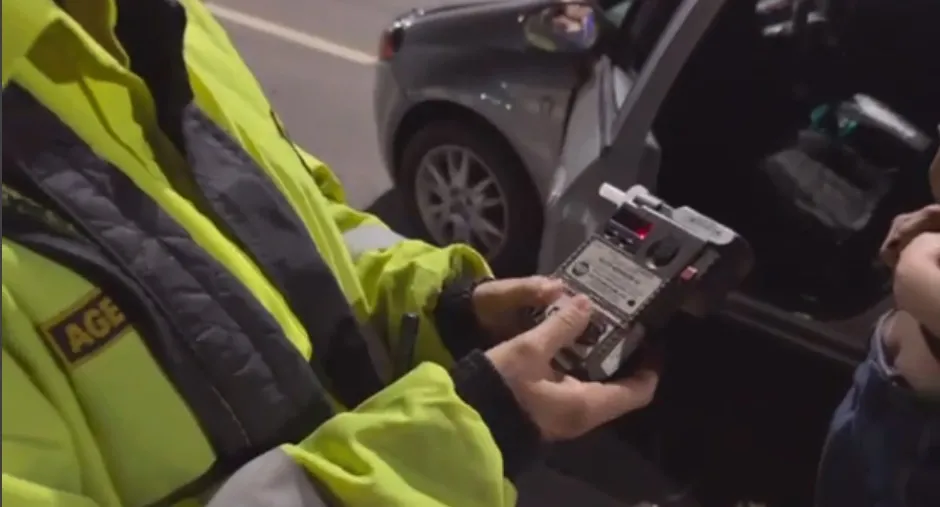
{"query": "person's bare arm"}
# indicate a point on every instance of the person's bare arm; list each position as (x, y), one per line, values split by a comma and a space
(910, 354)
(917, 280)
(917, 294)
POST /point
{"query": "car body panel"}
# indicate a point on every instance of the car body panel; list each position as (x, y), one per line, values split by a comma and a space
(389, 108)
(576, 211)
(527, 109)
(449, 62)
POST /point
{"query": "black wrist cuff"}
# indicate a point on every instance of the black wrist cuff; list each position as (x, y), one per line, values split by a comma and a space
(456, 320)
(483, 388)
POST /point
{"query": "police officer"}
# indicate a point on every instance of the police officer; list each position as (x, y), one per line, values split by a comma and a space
(192, 314)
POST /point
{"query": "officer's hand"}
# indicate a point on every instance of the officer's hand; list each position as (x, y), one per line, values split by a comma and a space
(562, 406)
(502, 306)
(905, 228)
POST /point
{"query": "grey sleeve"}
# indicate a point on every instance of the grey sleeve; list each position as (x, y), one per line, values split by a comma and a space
(273, 479)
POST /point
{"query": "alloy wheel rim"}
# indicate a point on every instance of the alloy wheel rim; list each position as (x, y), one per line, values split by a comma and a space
(460, 200)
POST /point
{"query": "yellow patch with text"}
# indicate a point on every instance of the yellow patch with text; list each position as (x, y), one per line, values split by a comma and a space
(86, 328)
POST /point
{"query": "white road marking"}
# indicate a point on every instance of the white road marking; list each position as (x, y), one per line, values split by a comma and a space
(290, 35)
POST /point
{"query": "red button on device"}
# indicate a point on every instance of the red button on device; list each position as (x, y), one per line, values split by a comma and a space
(688, 273)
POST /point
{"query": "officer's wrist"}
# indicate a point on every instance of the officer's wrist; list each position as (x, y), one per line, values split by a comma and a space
(456, 319)
(481, 386)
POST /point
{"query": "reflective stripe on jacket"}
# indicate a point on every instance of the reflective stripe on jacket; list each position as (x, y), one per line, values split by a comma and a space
(173, 334)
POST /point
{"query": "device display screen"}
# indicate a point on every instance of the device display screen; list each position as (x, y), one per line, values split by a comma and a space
(633, 222)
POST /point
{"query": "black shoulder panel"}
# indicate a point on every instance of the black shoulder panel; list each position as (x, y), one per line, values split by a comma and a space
(218, 336)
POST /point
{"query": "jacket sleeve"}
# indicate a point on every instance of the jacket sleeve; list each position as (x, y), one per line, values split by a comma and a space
(400, 275)
(417, 443)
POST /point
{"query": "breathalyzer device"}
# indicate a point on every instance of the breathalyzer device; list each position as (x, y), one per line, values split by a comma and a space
(648, 262)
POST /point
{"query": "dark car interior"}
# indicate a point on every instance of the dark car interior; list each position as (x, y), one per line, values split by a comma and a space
(753, 123)
(785, 125)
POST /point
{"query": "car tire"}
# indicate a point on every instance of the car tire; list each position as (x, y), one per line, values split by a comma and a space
(517, 254)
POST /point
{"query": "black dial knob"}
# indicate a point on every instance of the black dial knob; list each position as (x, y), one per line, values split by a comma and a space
(663, 252)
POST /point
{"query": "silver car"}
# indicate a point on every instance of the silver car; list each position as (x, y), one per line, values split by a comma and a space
(498, 127)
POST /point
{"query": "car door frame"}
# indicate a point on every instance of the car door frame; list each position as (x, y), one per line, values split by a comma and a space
(573, 194)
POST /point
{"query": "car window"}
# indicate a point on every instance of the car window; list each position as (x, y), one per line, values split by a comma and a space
(638, 31)
(640, 23)
(616, 12)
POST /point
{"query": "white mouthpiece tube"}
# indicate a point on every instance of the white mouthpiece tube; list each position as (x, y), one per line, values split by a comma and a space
(612, 194)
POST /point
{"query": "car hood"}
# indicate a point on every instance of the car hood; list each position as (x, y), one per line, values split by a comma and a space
(485, 24)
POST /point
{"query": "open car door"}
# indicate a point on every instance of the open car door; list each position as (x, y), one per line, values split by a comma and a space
(609, 138)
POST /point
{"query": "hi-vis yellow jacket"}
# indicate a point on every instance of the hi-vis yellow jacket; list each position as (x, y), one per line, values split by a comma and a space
(180, 280)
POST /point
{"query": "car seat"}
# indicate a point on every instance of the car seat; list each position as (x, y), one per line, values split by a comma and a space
(826, 201)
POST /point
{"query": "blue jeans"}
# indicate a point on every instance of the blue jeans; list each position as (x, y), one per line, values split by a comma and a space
(883, 448)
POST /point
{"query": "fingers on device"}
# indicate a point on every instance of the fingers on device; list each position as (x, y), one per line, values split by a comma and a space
(648, 262)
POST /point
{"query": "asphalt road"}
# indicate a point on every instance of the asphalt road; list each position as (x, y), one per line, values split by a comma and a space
(314, 60)
(324, 100)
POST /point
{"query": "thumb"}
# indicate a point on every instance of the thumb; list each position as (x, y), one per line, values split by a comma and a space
(565, 322)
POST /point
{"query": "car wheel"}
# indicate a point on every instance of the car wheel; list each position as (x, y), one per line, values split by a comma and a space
(462, 183)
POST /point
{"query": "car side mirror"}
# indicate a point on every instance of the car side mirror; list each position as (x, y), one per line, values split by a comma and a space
(563, 27)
